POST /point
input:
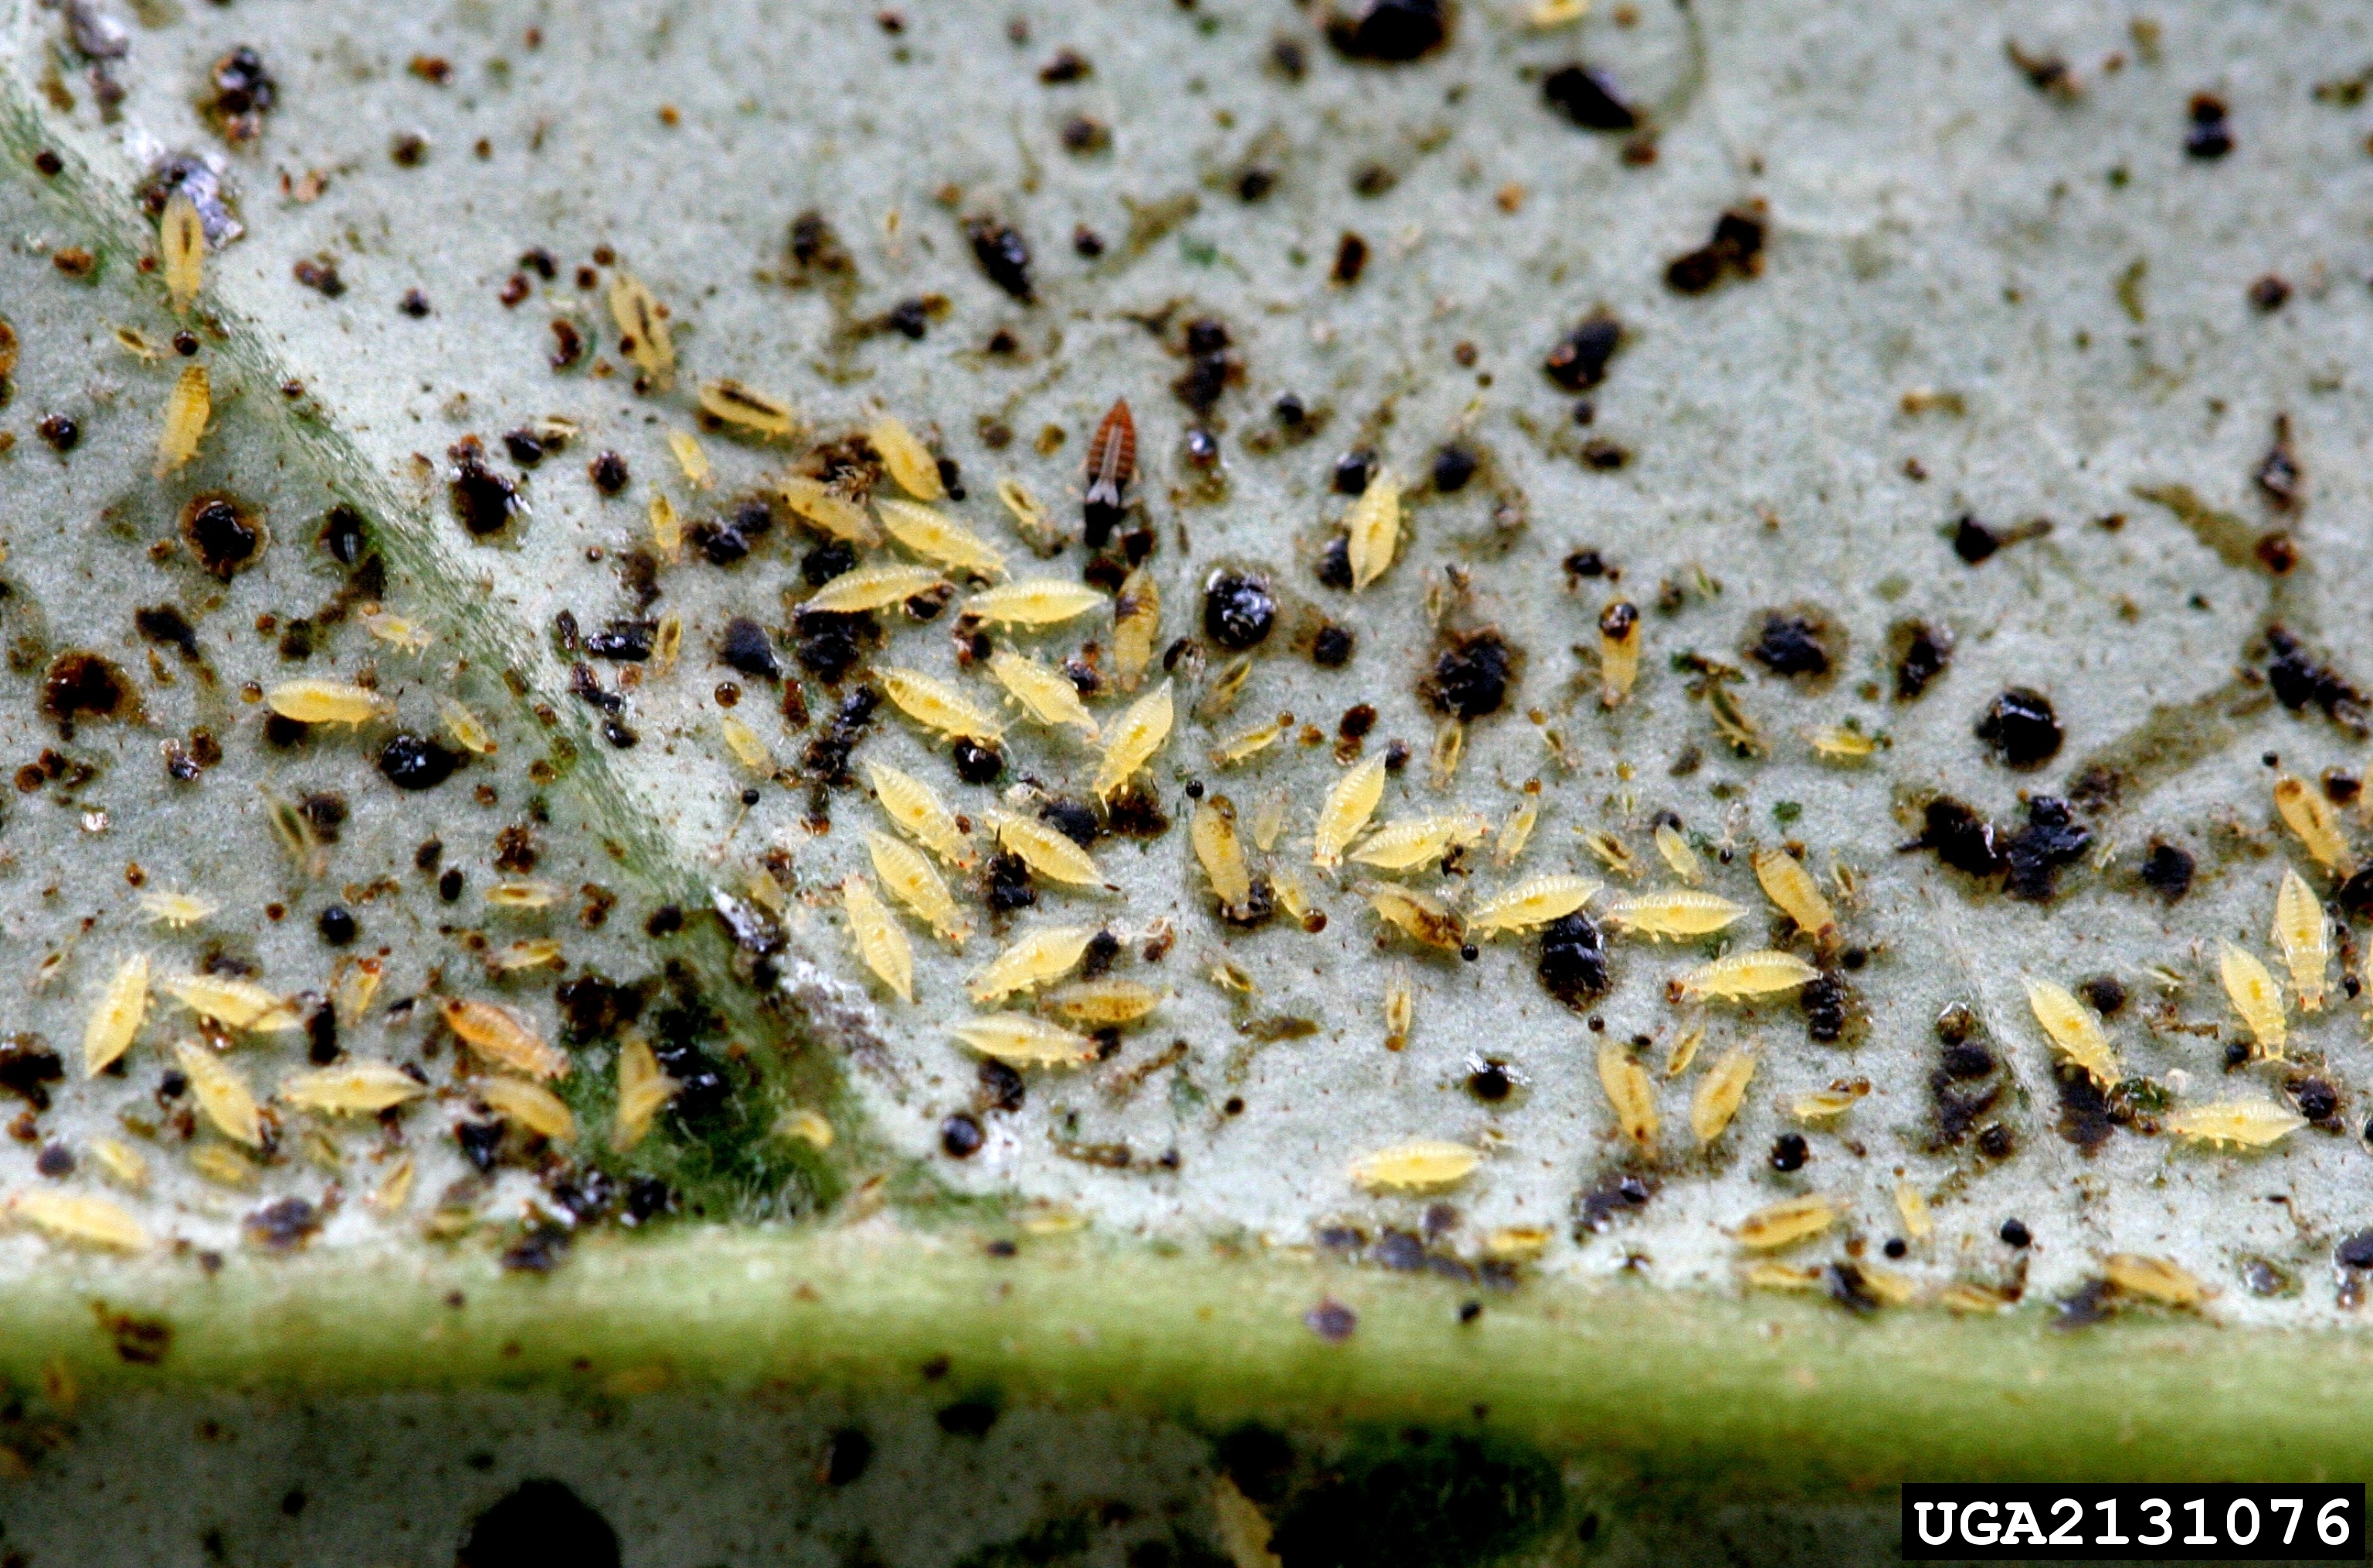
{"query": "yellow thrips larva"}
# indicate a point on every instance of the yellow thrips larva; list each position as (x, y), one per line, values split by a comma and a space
(1630, 1092)
(666, 642)
(176, 909)
(1612, 853)
(1449, 745)
(1022, 1041)
(1136, 622)
(766, 892)
(909, 462)
(503, 1038)
(182, 238)
(224, 1165)
(1720, 1093)
(2251, 988)
(1268, 820)
(1675, 912)
(1034, 601)
(828, 509)
(1843, 743)
(1046, 955)
(1791, 887)
(1825, 1105)
(1220, 693)
(117, 1018)
(1101, 1002)
(358, 1087)
(1212, 830)
(187, 408)
(643, 329)
(119, 1163)
(1961, 1296)
(468, 730)
(222, 1093)
(1677, 853)
(1515, 1244)
(2304, 939)
(1400, 1009)
(522, 894)
(1045, 851)
(1424, 1165)
(1046, 695)
(666, 528)
(408, 635)
(351, 992)
(809, 1127)
(1618, 652)
(1913, 1206)
(690, 457)
(2313, 820)
(2074, 1030)
(1291, 896)
(1533, 902)
(1372, 529)
(236, 1004)
(531, 952)
(1762, 973)
(1684, 1051)
(1785, 1223)
(1242, 748)
(74, 1216)
(1416, 915)
(761, 413)
(1244, 1531)
(1135, 737)
(878, 940)
(643, 1089)
(1548, 14)
(918, 812)
(936, 704)
(938, 537)
(326, 702)
(531, 1106)
(1418, 842)
(873, 588)
(1030, 518)
(1780, 1277)
(134, 342)
(1349, 806)
(1517, 831)
(915, 881)
(2249, 1124)
(747, 748)
(1886, 1286)
(2153, 1279)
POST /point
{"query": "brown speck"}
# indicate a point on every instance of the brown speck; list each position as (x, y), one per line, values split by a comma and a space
(1389, 33)
(1589, 98)
(2021, 728)
(2278, 474)
(482, 500)
(1922, 654)
(668, 116)
(73, 261)
(432, 68)
(1331, 1320)
(1068, 66)
(2208, 136)
(59, 432)
(83, 684)
(608, 470)
(227, 537)
(1795, 643)
(409, 149)
(2270, 294)
(1350, 259)
(1003, 255)
(1735, 250)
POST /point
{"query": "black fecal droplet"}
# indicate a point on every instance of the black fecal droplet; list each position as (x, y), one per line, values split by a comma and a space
(1009, 886)
(481, 1141)
(1353, 470)
(1825, 1001)
(540, 1524)
(226, 537)
(1736, 249)
(959, 1137)
(1845, 1284)
(2209, 135)
(2021, 728)
(1589, 98)
(1578, 362)
(1973, 541)
(1003, 255)
(2104, 994)
(2053, 838)
(1001, 1088)
(826, 561)
(1453, 465)
(2166, 870)
(27, 1065)
(847, 1455)
(449, 885)
(59, 432)
(1791, 645)
(1789, 1152)
(80, 685)
(719, 544)
(342, 535)
(1573, 964)
(1073, 820)
(1922, 653)
(1471, 676)
(828, 645)
(747, 648)
(164, 624)
(337, 925)
(976, 763)
(1335, 562)
(2298, 678)
(1237, 611)
(525, 447)
(321, 1037)
(608, 471)
(1490, 1082)
(1390, 32)
(2083, 1109)
(626, 642)
(1962, 839)
(416, 762)
(1332, 649)
(483, 501)
(1967, 1059)
(2316, 1098)
(593, 1007)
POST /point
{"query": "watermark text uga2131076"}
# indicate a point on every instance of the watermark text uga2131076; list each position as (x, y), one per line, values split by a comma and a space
(2209, 1522)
